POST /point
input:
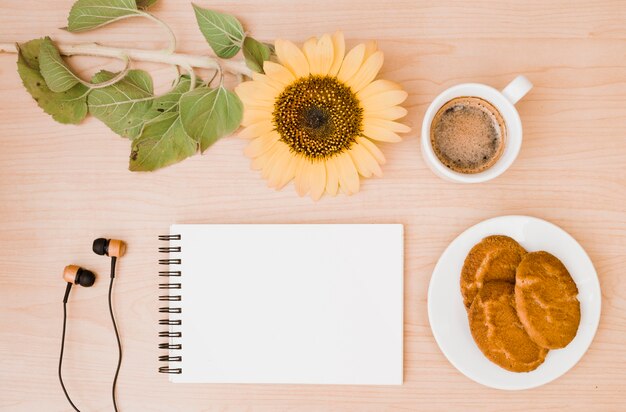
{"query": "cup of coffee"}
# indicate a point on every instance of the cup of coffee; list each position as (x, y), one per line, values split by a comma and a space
(472, 132)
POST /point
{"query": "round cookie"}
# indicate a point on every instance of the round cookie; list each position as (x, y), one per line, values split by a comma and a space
(545, 297)
(498, 332)
(493, 258)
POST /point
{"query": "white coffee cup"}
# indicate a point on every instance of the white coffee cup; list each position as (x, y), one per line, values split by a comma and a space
(504, 101)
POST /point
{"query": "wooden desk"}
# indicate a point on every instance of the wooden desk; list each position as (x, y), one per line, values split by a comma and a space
(63, 186)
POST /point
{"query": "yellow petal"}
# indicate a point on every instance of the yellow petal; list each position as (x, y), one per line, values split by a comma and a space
(319, 53)
(263, 90)
(280, 170)
(261, 144)
(365, 163)
(368, 71)
(278, 73)
(262, 161)
(251, 116)
(372, 148)
(348, 176)
(261, 78)
(380, 133)
(360, 165)
(251, 103)
(317, 179)
(351, 63)
(325, 54)
(384, 100)
(271, 161)
(339, 50)
(390, 113)
(254, 91)
(289, 173)
(377, 87)
(386, 124)
(258, 105)
(371, 47)
(332, 177)
(256, 129)
(292, 58)
(302, 182)
(258, 163)
(310, 51)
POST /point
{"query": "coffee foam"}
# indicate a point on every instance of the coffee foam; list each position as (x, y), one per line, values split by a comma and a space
(468, 134)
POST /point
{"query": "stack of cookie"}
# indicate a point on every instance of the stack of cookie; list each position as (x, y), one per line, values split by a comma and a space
(519, 304)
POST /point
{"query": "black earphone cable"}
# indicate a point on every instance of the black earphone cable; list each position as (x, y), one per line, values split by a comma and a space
(67, 293)
(117, 335)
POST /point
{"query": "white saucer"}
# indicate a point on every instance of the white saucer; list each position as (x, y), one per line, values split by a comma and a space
(448, 318)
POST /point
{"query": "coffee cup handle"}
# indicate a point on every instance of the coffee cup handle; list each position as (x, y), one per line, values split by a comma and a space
(517, 89)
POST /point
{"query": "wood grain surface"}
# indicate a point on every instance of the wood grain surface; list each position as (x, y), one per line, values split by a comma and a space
(62, 186)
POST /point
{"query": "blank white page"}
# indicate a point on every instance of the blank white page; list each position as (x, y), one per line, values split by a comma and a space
(309, 304)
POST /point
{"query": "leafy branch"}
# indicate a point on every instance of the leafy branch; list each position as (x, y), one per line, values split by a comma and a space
(154, 56)
(163, 129)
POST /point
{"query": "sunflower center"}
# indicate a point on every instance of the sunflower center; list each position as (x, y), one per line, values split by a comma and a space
(318, 116)
(315, 118)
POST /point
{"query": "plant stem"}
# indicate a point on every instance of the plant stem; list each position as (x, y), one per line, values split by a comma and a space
(112, 80)
(236, 67)
(172, 37)
(192, 77)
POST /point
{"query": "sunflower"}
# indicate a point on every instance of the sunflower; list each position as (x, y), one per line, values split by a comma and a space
(314, 115)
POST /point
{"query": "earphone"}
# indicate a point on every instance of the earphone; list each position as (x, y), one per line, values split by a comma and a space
(76, 275)
(110, 247)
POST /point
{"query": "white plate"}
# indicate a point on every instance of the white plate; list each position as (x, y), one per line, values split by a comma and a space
(448, 318)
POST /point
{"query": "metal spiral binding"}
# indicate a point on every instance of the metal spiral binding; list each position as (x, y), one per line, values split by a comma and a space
(169, 286)
(166, 358)
(176, 346)
(168, 334)
(170, 310)
(169, 237)
(169, 273)
(170, 322)
(170, 297)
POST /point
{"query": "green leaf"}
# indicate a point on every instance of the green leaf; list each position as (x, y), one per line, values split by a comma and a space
(255, 54)
(66, 107)
(54, 70)
(223, 31)
(91, 14)
(271, 47)
(162, 142)
(169, 101)
(122, 105)
(144, 4)
(209, 114)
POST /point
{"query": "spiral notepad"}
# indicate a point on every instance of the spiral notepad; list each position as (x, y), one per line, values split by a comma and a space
(319, 304)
